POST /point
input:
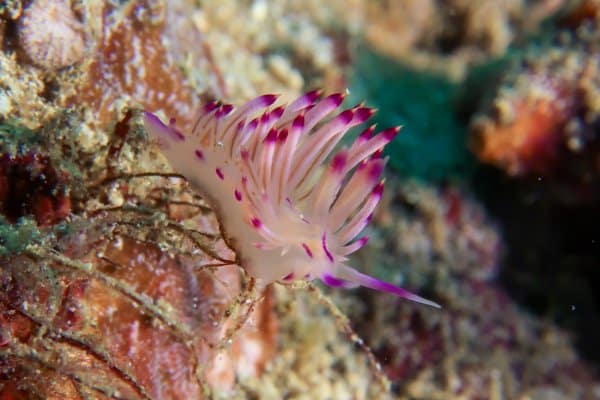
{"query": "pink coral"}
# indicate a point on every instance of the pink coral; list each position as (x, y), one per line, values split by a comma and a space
(260, 169)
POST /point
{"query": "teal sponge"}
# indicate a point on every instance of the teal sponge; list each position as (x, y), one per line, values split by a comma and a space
(432, 143)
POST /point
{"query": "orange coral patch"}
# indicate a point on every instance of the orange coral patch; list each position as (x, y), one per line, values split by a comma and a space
(531, 142)
(132, 64)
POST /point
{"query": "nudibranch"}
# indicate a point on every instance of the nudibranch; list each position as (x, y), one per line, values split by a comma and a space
(289, 203)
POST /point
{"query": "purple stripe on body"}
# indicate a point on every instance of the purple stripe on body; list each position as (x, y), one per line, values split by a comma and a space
(325, 249)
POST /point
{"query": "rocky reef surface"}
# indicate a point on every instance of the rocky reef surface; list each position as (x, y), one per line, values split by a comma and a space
(116, 283)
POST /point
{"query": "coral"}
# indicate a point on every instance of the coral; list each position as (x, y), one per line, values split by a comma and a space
(51, 35)
(313, 361)
(30, 185)
(22, 91)
(146, 322)
(481, 344)
(278, 46)
(436, 229)
(137, 317)
(131, 66)
(96, 291)
(258, 167)
(449, 36)
(227, 49)
(172, 47)
(579, 12)
(2, 32)
(542, 120)
(9, 11)
(106, 144)
(15, 237)
(33, 183)
(526, 134)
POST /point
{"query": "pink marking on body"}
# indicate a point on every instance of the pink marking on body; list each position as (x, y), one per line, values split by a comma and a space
(298, 121)
(339, 162)
(378, 189)
(253, 124)
(264, 118)
(375, 171)
(244, 153)
(307, 250)
(356, 245)
(363, 113)
(220, 173)
(268, 99)
(283, 135)
(336, 98)
(332, 281)
(363, 240)
(178, 134)
(377, 154)
(325, 249)
(390, 133)
(277, 112)
(256, 222)
(289, 277)
(366, 134)
(238, 195)
(346, 116)
(172, 121)
(312, 96)
(199, 154)
(209, 107)
(224, 110)
(271, 136)
(306, 100)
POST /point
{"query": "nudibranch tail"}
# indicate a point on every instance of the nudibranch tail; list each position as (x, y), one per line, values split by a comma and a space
(349, 277)
(288, 202)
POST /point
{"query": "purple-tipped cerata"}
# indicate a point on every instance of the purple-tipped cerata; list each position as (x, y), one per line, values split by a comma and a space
(260, 168)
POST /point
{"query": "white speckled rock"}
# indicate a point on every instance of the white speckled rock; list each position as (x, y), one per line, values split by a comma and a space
(51, 34)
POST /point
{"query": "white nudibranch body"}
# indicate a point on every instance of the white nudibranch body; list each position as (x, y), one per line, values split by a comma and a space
(259, 167)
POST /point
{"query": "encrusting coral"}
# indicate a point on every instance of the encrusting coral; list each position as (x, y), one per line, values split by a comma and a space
(543, 116)
(105, 303)
(483, 345)
(30, 185)
(435, 230)
(51, 34)
(448, 36)
(143, 72)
